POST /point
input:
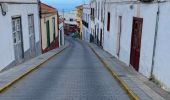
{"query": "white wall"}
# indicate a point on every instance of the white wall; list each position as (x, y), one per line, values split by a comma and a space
(86, 18)
(162, 56)
(70, 15)
(148, 31)
(6, 39)
(61, 27)
(149, 14)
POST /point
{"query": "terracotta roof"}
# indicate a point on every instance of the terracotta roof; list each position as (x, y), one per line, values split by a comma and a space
(46, 9)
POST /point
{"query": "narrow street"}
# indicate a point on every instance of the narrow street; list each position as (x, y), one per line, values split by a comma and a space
(75, 74)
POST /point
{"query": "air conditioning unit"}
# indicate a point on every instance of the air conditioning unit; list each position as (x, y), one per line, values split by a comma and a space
(146, 0)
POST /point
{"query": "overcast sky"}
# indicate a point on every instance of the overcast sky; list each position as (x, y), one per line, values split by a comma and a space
(64, 4)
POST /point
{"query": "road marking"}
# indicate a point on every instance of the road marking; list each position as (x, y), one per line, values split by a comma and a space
(11, 83)
(130, 93)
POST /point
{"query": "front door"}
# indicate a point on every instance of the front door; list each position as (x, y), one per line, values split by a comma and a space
(136, 42)
(101, 37)
(48, 33)
(61, 38)
(17, 39)
(31, 35)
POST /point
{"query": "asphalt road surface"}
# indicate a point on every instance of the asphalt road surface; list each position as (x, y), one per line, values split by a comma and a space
(75, 74)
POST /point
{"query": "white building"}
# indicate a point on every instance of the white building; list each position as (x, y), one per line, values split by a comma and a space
(61, 32)
(70, 17)
(137, 33)
(86, 23)
(97, 21)
(20, 32)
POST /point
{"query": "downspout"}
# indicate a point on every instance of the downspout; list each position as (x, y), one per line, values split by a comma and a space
(104, 22)
(39, 10)
(58, 29)
(155, 41)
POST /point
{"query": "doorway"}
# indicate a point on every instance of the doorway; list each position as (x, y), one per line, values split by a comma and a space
(48, 33)
(31, 35)
(17, 39)
(136, 42)
(101, 38)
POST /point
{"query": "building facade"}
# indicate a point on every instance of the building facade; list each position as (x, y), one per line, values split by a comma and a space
(136, 33)
(20, 32)
(79, 15)
(49, 28)
(86, 23)
(70, 24)
(61, 32)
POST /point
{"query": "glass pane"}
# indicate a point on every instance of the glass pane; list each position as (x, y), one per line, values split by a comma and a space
(13, 25)
(14, 37)
(19, 36)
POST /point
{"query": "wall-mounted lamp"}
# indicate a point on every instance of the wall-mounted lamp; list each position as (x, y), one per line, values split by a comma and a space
(4, 8)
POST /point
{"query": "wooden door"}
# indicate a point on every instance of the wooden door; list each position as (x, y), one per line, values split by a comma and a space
(31, 35)
(48, 33)
(17, 39)
(136, 42)
(61, 38)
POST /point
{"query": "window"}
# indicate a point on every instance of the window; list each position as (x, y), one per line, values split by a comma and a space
(31, 24)
(16, 30)
(54, 28)
(71, 19)
(108, 21)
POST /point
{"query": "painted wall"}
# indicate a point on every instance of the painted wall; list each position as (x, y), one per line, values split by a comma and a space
(86, 18)
(162, 57)
(70, 15)
(61, 34)
(6, 41)
(44, 30)
(148, 31)
(149, 14)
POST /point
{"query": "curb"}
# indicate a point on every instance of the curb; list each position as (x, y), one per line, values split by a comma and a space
(8, 85)
(130, 93)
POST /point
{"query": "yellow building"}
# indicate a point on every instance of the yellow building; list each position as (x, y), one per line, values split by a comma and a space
(79, 14)
(49, 28)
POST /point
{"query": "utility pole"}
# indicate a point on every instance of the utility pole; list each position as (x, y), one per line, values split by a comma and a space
(63, 13)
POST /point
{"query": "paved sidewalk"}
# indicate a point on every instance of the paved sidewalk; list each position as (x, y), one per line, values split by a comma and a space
(140, 85)
(12, 75)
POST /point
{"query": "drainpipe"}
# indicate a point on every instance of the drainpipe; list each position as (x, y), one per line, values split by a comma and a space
(40, 16)
(104, 21)
(155, 41)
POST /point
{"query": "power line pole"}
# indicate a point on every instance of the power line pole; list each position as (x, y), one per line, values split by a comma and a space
(63, 13)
